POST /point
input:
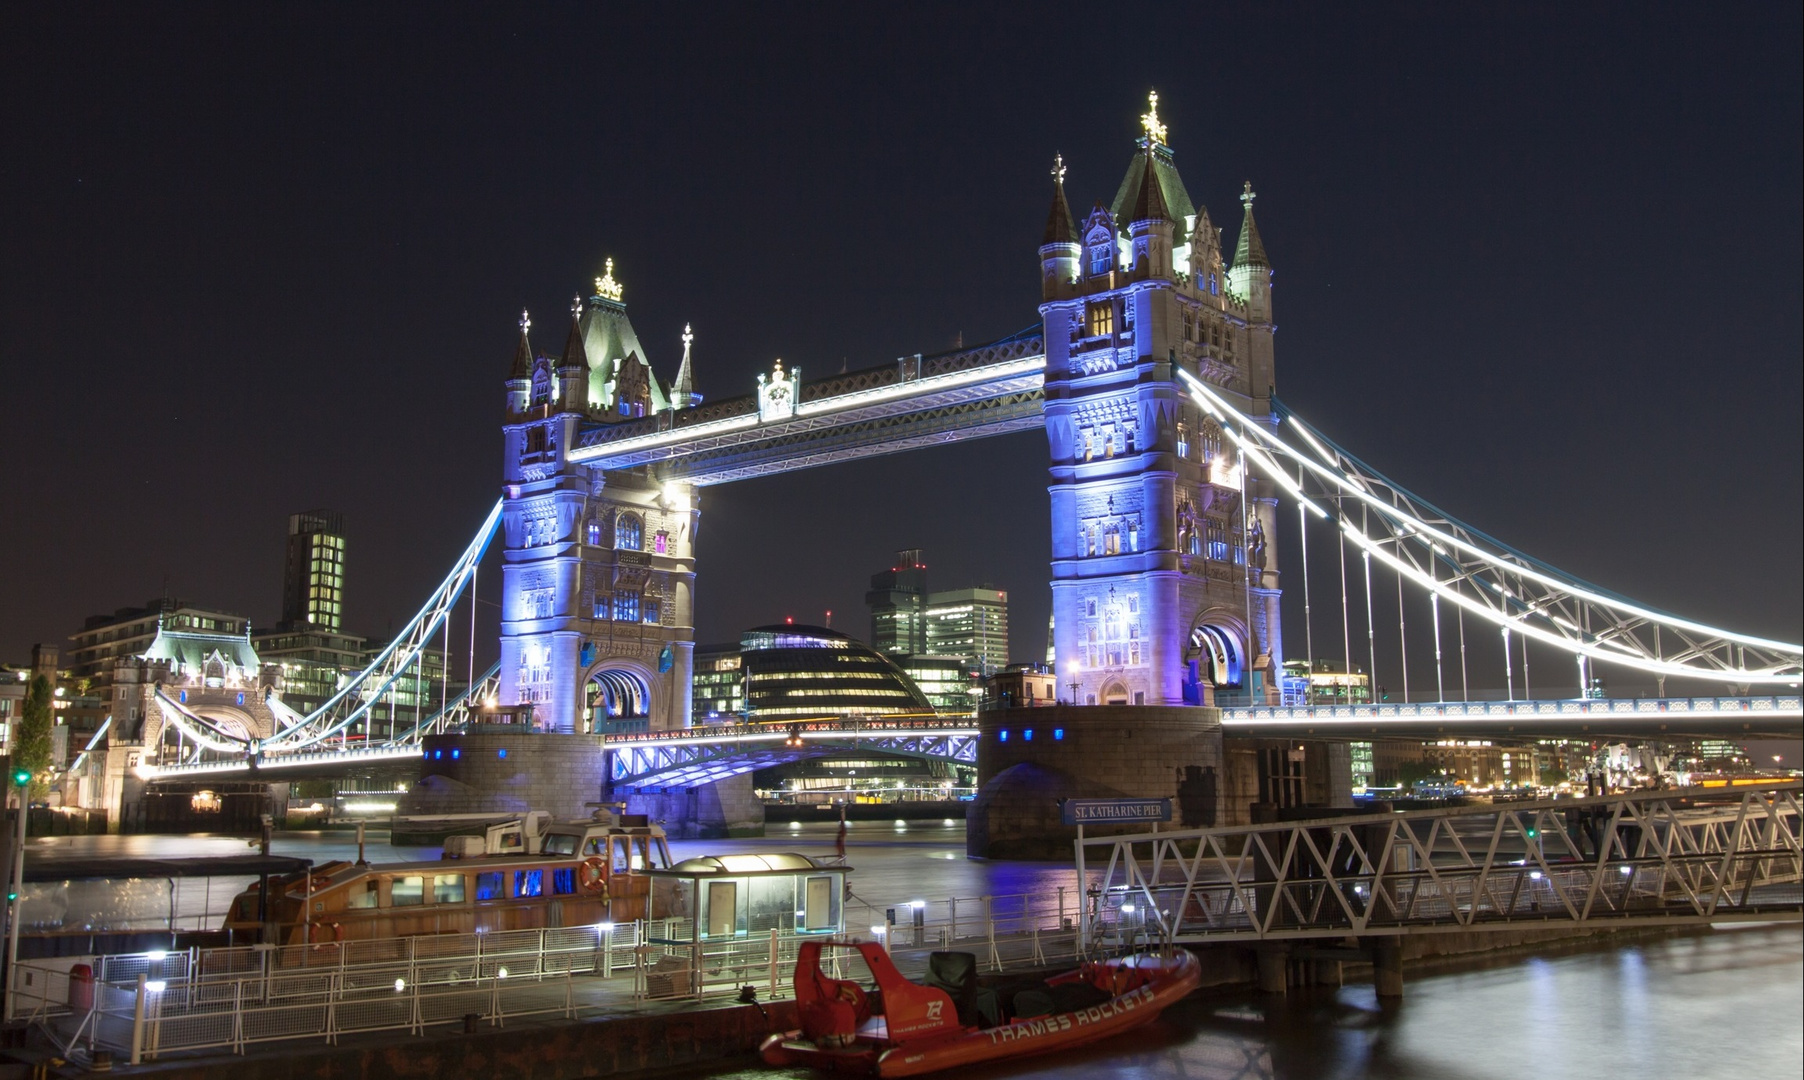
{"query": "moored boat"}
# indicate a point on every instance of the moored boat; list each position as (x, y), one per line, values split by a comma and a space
(522, 874)
(907, 1028)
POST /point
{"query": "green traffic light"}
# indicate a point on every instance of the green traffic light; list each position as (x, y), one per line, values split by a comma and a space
(21, 777)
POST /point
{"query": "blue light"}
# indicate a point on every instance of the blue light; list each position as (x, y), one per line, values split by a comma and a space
(455, 753)
(1058, 733)
(501, 753)
(1003, 735)
(1028, 734)
(436, 754)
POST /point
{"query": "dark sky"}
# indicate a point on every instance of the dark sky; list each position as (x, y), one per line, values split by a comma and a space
(1542, 267)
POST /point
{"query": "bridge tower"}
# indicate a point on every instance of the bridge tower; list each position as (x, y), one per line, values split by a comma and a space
(597, 629)
(1164, 560)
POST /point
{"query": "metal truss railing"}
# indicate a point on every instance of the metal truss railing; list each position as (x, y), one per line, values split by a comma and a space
(703, 755)
(354, 700)
(990, 390)
(1578, 717)
(1464, 566)
(1650, 858)
(403, 746)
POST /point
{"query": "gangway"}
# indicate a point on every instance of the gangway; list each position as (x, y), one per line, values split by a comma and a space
(1689, 856)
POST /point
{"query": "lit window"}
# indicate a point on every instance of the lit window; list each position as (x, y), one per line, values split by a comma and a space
(651, 610)
(661, 543)
(626, 607)
(1099, 315)
(595, 533)
(629, 533)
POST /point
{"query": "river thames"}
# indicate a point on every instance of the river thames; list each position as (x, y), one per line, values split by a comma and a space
(1720, 1003)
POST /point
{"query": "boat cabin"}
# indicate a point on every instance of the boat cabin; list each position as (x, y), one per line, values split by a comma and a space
(728, 896)
(521, 874)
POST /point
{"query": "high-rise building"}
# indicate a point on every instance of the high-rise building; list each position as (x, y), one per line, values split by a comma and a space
(313, 578)
(970, 623)
(898, 603)
(719, 693)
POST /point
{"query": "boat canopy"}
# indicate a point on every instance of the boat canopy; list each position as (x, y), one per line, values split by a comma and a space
(776, 862)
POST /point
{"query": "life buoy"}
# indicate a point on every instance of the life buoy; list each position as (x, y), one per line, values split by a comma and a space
(592, 876)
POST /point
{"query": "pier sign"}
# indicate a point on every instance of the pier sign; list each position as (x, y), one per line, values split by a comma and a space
(1113, 811)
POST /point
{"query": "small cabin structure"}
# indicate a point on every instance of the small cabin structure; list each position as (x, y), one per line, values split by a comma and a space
(728, 896)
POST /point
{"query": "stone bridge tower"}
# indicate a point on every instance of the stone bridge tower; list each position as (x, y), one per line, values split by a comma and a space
(597, 627)
(1164, 548)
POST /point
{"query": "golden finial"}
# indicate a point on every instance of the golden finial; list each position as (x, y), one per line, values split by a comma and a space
(1058, 169)
(1155, 130)
(1246, 194)
(605, 285)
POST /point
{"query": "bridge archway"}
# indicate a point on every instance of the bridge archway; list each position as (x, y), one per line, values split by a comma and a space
(615, 691)
(1216, 657)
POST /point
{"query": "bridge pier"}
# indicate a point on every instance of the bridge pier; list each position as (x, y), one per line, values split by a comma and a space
(711, 811)
(508, 772)
(1274, 968)
(1387, 968)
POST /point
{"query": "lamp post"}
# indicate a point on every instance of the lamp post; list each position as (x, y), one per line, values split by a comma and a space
(21, 781)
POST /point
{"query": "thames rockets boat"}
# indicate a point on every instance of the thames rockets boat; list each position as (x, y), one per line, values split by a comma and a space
(906, 1028)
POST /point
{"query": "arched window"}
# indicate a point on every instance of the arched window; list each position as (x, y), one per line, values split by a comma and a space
(629, 533)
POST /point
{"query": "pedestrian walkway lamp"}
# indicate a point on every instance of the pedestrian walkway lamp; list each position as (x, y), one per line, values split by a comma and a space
(21, 778)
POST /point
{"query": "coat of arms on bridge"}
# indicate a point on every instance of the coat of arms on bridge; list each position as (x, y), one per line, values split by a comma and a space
(778, 393)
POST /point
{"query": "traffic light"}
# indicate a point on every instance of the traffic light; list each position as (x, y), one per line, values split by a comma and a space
(1383, 694)
(1533, 832)
(21, 777)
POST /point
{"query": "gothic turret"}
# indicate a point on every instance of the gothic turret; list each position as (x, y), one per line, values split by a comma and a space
(1150, 225)
(1060, 250)
(573, 367)
(682, 391)
(621, 384)
(1251, 275)
(519, 374)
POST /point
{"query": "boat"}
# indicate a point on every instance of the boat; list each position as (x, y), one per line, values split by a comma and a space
(521, 874)
(905, 1028)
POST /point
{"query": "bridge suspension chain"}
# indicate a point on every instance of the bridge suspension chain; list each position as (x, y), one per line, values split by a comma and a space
(1464, 566)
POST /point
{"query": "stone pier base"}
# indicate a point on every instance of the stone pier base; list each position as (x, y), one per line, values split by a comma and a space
(705, 812)
(508, 773)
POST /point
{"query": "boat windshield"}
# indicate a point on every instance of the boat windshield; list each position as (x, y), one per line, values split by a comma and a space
(561, 844)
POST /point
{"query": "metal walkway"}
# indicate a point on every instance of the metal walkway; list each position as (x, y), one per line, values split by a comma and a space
(703, 755)
(1649, 858)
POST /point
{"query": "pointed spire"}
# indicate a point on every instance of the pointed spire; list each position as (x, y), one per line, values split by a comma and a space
(682, 392)
(1149, 200)
(1250, 251)
(522, 368)
(574, 355)
(1060, 229)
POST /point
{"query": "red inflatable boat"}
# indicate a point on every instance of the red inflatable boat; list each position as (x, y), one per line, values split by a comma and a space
(909, 1028)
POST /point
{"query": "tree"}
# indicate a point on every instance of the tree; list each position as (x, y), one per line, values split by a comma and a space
(31, 747)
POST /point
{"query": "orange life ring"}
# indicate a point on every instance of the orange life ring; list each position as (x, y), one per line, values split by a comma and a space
(592, 876)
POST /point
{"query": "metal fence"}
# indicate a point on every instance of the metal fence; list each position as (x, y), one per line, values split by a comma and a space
(142, 1005)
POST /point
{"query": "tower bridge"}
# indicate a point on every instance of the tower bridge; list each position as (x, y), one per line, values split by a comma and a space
(1173, 470)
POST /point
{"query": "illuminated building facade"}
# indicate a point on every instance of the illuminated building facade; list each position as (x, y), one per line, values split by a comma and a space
(795, 672)
(1165, 583)
(313, 574)
(719, 694)
(599, 567)
(898, 603)
(971, 623)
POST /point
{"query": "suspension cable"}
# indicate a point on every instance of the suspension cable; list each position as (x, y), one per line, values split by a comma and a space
(1308, 633)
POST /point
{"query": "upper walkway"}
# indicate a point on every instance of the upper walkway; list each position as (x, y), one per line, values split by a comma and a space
(917, 401)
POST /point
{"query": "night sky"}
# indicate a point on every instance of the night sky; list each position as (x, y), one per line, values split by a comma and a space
(1542, 268)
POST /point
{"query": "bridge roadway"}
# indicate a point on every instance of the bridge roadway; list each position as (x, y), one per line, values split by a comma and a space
(705, 754)
(673, 759)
